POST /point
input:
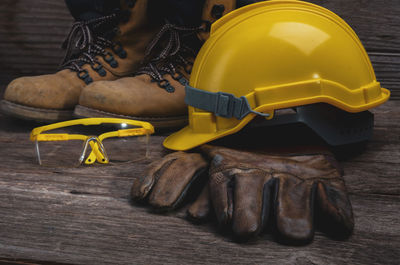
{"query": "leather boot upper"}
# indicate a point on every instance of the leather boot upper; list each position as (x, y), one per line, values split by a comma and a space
(103, 48)
(157, 90)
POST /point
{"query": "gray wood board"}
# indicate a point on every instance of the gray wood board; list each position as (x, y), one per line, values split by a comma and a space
(31, 33)
(84, 215)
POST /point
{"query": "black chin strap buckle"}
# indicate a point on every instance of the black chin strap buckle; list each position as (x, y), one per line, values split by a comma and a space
(222, 104)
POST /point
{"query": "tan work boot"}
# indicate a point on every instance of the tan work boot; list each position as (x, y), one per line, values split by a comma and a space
(156, 94)
(104, 48)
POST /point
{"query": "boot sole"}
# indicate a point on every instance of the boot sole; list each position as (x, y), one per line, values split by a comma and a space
(158, 123)
(35, 114)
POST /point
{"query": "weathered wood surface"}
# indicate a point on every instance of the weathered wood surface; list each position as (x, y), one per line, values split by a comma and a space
(31, 33)
(84, 216)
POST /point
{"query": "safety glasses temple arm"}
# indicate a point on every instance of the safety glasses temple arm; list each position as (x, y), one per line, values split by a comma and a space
(57, 137)
(126, 133)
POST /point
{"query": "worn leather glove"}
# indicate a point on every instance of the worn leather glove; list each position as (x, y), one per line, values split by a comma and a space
(247, 188)
(166, 182)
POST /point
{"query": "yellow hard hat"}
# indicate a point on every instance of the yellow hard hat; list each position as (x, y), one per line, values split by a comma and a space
(275, 55)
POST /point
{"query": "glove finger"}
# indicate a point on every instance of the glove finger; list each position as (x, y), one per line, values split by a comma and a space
(201, 208)
(336, 214)
(294, 209)
(143, 185)
(251, 202)
(221, 196)
(175, 180)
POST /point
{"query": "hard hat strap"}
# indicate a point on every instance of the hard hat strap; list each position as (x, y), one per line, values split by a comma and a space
(222, 104)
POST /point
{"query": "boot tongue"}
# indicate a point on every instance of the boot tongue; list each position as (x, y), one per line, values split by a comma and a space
(83, 10)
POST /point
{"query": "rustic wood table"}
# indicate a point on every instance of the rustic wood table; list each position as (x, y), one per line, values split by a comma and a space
(84, 215)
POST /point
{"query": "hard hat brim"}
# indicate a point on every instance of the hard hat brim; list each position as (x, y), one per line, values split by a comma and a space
(186, 139)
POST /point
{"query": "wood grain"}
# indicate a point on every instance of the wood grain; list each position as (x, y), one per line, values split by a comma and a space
(84, 215)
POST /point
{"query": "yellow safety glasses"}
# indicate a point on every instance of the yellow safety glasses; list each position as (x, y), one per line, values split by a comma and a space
(62, 152)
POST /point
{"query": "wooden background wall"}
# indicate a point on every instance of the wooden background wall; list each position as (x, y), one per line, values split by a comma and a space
(31, 33)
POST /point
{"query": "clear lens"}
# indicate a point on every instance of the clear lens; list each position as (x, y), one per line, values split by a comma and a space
(59, 153)
(127, 149)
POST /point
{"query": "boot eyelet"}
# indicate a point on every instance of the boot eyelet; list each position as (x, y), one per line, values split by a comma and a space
(99, 69)
(165, 84)
(109, 58)
(123, 54)
(84, 75)
(114, 64)
(182, 80)
(117, 49)
(170, 89)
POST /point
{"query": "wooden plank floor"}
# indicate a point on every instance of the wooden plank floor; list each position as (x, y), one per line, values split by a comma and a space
(84, 216)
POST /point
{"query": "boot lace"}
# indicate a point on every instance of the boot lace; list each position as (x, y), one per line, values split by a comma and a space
(89, 39)
(172, 55)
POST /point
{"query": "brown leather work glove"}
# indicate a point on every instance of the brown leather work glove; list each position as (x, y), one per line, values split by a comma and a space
(247, 189)
(166, 182)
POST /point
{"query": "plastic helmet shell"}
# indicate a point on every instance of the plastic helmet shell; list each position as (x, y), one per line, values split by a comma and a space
(279, 54)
